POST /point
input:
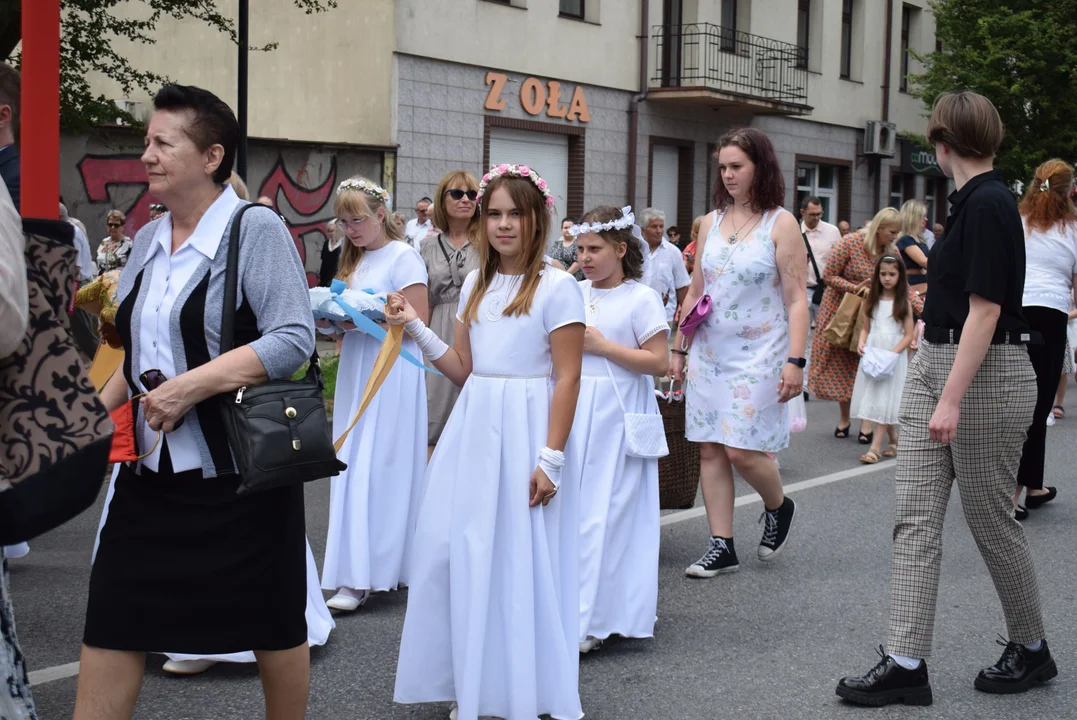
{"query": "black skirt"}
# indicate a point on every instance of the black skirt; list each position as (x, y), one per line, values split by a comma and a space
(186, 566)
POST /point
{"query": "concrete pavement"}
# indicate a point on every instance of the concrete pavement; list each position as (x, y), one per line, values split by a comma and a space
(767, 642)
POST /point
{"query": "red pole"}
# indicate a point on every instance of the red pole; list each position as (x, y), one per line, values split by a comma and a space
(40, 122)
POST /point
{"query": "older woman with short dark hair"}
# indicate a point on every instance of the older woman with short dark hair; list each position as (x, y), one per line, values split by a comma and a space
(185, 564)
(113, 251)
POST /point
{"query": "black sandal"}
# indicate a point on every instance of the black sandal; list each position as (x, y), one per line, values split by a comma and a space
(842, 432)
(866, 438)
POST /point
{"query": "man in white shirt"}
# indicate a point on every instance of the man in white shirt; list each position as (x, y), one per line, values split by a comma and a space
(822, 237)
(418, 228)
(663, 265)
(87, 271)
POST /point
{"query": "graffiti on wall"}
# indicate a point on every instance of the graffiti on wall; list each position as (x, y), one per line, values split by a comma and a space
(305, 211)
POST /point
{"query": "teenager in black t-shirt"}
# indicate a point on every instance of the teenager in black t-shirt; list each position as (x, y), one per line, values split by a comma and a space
(967, 404)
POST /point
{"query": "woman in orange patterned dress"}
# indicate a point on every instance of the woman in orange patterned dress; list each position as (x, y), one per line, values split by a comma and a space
(832, 370)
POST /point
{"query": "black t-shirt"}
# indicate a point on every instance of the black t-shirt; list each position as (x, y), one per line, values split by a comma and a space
(983, 254)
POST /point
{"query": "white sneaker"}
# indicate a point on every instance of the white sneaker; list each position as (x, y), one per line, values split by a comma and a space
(454, 711)
(1050, 419)
(188, 667)
(13, 552)
(591, 643)
(348, 600)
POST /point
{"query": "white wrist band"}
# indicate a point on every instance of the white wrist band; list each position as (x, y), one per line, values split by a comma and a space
(551, 462)
(427, 340)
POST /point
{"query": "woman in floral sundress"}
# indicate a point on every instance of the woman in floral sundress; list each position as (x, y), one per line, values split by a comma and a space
(746, 359)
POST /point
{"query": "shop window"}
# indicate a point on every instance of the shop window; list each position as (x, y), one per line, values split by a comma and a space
(896, 197)
(822, 182)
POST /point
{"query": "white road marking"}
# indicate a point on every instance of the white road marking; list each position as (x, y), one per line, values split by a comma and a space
(59, 672)
(752, 498)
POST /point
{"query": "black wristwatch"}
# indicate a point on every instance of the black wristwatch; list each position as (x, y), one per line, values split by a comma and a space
(799, 362)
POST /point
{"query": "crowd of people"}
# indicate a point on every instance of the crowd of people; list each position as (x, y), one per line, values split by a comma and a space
(507, 473)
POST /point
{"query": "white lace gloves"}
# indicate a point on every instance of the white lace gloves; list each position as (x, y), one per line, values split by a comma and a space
(431, 345)
(551, 462)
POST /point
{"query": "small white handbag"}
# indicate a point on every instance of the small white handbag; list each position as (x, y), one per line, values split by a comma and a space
(645, 433)
(878, 362)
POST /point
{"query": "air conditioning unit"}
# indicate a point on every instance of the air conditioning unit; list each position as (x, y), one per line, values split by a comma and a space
(880, 138)
(134, 108)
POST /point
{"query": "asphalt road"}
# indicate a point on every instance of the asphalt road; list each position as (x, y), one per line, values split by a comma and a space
(767, 642)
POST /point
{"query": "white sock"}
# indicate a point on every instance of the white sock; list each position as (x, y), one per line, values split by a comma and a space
(906, 662)
(1035, 646)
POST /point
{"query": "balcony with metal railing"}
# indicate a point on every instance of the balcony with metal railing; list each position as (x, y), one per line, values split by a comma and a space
(713, 65)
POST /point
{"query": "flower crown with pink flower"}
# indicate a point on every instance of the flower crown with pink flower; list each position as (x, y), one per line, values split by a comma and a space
(521, 171)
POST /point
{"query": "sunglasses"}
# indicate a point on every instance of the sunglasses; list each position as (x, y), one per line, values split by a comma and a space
(153, 379)
(115, 225)
(459, 195)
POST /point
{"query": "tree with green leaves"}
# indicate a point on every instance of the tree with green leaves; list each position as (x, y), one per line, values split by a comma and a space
(1022, 55)
(87, 30)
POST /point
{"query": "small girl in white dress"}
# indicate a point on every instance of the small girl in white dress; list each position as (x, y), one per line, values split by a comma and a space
(493, 615)
(888, 332)
(625, 347)
(373, 504)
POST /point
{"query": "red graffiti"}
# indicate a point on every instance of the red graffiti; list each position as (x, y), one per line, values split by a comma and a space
(101, 171)
(310, 205)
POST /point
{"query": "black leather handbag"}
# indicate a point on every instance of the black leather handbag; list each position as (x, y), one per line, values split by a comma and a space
(279, 430)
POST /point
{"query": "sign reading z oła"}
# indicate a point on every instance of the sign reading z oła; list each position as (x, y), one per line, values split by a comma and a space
(537, 96)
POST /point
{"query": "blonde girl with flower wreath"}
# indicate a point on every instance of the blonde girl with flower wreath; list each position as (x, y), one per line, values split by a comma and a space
(625, 348)
(493, 605)
(372, 505)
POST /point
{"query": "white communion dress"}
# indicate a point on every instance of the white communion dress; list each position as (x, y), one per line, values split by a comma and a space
(879, 399)
(319, 620)
(493, 603)
(619, 509)
(372, 504)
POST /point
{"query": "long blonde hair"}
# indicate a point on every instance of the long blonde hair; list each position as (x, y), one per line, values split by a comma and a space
(356, 202)
(912, 219)
(534, 229)
(886, 216)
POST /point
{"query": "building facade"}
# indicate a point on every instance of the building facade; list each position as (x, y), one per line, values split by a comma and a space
(613, 101)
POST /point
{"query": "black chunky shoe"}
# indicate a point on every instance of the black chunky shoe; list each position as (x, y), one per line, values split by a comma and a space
(776, 529)
(1017, 670)
(719, 559)
(887, 683)
(1034, 501)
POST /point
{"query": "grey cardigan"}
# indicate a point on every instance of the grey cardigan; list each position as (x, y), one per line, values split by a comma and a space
(272, 287)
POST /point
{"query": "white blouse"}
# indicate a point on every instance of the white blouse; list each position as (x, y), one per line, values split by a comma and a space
(1050, 264)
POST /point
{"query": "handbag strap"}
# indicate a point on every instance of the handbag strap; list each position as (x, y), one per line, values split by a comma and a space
(811, 256)
(231, 289)
(616, 390)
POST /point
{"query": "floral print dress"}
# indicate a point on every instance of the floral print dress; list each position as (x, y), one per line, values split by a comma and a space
(15, 700)
(737, 355)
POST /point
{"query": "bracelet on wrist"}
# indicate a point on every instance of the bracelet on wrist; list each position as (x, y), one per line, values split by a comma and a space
(681, 352)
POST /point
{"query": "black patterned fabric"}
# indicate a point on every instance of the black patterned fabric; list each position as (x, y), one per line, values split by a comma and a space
(16, 702)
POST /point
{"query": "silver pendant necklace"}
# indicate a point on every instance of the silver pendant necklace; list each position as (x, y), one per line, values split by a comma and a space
(735, 237)
(592, 303)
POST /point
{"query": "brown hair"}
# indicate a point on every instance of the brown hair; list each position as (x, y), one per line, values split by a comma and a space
(454, 179)
(902, 306)
(632, 262)
(768, 186)
(355, 202)
(10, 94)
(534, 228)
(967, 123)
(1043, 209)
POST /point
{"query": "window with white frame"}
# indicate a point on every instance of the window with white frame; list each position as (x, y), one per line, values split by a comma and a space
(822, 182)
(896, 191)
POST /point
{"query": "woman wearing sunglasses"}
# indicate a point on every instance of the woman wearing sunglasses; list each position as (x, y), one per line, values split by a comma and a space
(113, 251)
(449, 257)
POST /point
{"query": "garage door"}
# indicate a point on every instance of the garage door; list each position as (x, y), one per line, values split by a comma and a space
(665, 166)
(547, 153)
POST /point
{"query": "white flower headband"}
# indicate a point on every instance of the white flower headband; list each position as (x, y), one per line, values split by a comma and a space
(522, 171)
(367, 187)
(627, 220)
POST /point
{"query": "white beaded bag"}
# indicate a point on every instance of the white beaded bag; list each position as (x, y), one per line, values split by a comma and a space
(645, 434)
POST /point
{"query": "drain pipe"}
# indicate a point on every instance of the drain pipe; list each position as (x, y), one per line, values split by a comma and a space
(889, 45)
(633, 105)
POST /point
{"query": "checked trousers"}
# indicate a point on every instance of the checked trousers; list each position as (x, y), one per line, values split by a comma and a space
(983, 458)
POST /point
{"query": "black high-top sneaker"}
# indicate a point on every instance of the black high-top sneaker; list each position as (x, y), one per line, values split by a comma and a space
(887, 683)
(776, 529)
(1017, 670)
(720, 558)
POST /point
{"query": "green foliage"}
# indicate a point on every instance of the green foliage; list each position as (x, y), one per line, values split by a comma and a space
(329, 364)
(88, 29)
(1022, 55)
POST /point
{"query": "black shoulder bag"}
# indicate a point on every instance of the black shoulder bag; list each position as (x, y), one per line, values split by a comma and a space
(820, 286)
(278, 431)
